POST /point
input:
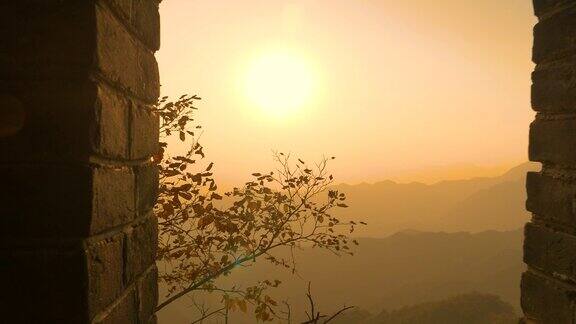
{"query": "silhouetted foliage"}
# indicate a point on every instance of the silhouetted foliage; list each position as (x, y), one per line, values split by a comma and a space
(202, 237)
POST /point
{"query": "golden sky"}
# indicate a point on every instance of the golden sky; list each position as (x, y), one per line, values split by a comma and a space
(383, 85)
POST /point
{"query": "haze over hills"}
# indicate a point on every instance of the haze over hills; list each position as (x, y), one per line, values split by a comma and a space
(472, 308)
(434, 174)
(423, 244)
(404, 269)
(477, 204)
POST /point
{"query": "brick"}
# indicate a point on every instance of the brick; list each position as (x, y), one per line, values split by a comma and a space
(43, 285)
(125, 312)
(111, 127)
(551, 198)
(550, 251)
(144, 18)
(72, 201)
(74, 35)
(144, 135)
(556, 37)
(553, 140)
(146, 187)
(544, 7)
(124, 61)
(114, 201)
(148, 295)
(105, 263)
(545, 301)
(140, 246)
(70, 121)
(554, 86)
(56, 123)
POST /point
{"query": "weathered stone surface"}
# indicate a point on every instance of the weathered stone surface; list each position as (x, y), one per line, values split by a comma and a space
(123, 60)
(144, 135)
(147, 187)
(548, 289)
(74, 246)
(551, 198)
(84, 201)
(553, 140)
(114, 197)
(141, 242)
(105, 265)
(148, 295)
(143, 16)
(73, 120)
(555, 38)
(43, 285)
(547, 7)
(111, 129)
(550, 251)
(554, 86)
(546, 301)
(125, 312)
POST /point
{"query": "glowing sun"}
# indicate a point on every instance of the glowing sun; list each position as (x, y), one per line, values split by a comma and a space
(279, 83)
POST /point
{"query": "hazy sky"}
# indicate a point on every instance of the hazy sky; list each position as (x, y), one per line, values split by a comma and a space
(386, 85)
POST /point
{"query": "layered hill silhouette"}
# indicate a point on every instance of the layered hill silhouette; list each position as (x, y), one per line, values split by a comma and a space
(473, 308)
(475, 205)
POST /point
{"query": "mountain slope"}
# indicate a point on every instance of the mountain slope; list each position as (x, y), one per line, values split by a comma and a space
(474, 205)
(403, 269)
(472, 308)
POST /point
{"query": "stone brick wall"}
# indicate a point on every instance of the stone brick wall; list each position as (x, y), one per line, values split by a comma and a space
(549, 284)
(77, 232)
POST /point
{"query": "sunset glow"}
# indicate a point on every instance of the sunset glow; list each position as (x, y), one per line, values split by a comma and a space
(279, 83)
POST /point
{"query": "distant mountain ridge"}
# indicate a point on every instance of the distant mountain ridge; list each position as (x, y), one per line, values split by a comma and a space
(475, 205)
(471, 308)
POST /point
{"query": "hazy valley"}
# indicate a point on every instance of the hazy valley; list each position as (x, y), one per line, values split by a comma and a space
(423, 244)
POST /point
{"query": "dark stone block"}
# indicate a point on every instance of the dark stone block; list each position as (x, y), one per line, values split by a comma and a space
(140, 248)
(105, 270)
(554, 86)
(125, 312)
(114, 198)
(546, 7)
(144, 18)
(144, 135)
(148, 295)
(123, 60)
(64, 201)
(550, 251)
(555, 38)
(70, 121)
(551, 198)
(553, 140)
(146, 187)
(545, 301)
(111, 130)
